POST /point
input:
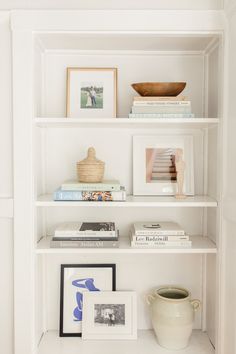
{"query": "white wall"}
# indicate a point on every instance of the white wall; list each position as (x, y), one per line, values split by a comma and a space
(6, 249)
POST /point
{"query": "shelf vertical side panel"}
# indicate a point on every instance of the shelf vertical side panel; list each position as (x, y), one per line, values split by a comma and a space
(23, 191)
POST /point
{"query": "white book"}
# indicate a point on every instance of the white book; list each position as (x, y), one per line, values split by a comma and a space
(160, 98)
(161, 103)
(73, 229)
(162, 244)
(160, 238)
(157, 228)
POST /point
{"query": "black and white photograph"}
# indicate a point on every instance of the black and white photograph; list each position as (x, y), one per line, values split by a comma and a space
(109, 314)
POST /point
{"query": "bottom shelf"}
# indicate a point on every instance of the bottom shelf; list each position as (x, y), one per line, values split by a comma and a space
(146, 343)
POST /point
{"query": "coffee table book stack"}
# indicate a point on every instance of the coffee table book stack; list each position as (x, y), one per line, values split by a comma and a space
(85, 235)
(161, 107)
(100, 192)
(159, 235)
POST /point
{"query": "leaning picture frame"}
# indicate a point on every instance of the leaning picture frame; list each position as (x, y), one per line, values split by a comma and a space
(76, 280)
(154, 169)
(91, 92)
(110, 315)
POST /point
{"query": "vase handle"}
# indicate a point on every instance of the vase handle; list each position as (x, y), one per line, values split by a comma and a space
(149, 299)
(195, 304)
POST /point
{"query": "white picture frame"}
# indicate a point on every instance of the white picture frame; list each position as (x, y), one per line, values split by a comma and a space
(152, 155)
(110, 315)
(91, 92)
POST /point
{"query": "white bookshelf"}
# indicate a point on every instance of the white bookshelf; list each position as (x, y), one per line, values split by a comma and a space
(196, 201)
(200, 245)
(126, 122)
(144, 46)
(146, 343)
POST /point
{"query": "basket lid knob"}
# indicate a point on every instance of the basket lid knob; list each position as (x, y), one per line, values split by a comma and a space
(91, 153)
(91, 158)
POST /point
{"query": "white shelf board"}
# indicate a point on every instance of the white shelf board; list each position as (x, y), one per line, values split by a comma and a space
(200, 244)
(132, 201)
(146, 343)
(124, 122)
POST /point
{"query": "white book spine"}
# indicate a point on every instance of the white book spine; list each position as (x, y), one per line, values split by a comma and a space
(159, 233)
(162, 244)
(162, 103)
(160, 238)
(74, 233)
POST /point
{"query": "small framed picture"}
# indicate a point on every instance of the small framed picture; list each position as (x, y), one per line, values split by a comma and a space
(154, 164)
(110, 315)
(91, 92)
(76, 280)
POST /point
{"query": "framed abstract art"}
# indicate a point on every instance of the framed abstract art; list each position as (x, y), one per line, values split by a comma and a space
(76, 279)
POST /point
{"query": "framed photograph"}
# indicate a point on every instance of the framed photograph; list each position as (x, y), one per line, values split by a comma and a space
(110, 315)
(154, 164)
(76, 280)
(91, 92)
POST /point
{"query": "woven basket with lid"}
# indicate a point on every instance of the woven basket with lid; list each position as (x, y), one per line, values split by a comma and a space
(90, 170)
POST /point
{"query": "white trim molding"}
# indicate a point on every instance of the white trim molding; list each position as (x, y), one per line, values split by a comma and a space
(82, 20)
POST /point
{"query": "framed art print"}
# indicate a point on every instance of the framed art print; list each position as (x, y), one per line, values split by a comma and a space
(76, 280)
(110, 315)
(154, 164)
(91, 92)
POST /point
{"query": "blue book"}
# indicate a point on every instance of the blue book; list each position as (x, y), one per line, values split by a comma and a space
(161, 115)
(95, 196)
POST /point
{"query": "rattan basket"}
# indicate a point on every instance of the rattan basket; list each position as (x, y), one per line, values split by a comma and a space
(90, 170)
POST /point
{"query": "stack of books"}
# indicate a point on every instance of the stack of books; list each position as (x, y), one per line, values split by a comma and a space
(159, 235)
(96, 192)
(161, 107)
(85, 235)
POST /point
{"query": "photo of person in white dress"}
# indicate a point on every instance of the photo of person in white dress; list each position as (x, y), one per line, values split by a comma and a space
(89, 99)
(91, 95)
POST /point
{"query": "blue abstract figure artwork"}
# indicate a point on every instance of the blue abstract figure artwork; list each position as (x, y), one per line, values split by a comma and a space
(88, 284)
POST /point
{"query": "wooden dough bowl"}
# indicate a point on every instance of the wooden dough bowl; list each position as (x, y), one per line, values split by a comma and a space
(159, 88)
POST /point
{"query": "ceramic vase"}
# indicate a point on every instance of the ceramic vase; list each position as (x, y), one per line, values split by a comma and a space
(172, 313)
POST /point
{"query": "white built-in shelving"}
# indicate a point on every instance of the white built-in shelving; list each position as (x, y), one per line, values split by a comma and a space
(146, 343)
(144, 46)
(200, 245)
(132, 201)
(127, 122)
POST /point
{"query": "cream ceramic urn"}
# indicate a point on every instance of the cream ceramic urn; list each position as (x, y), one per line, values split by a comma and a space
(172, 314)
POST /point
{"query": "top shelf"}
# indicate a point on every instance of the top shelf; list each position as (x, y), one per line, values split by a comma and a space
(124, 122)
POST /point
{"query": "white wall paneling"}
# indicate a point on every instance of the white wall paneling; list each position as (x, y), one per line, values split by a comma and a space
(23, 191)
(6, 189)
(229, 201)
